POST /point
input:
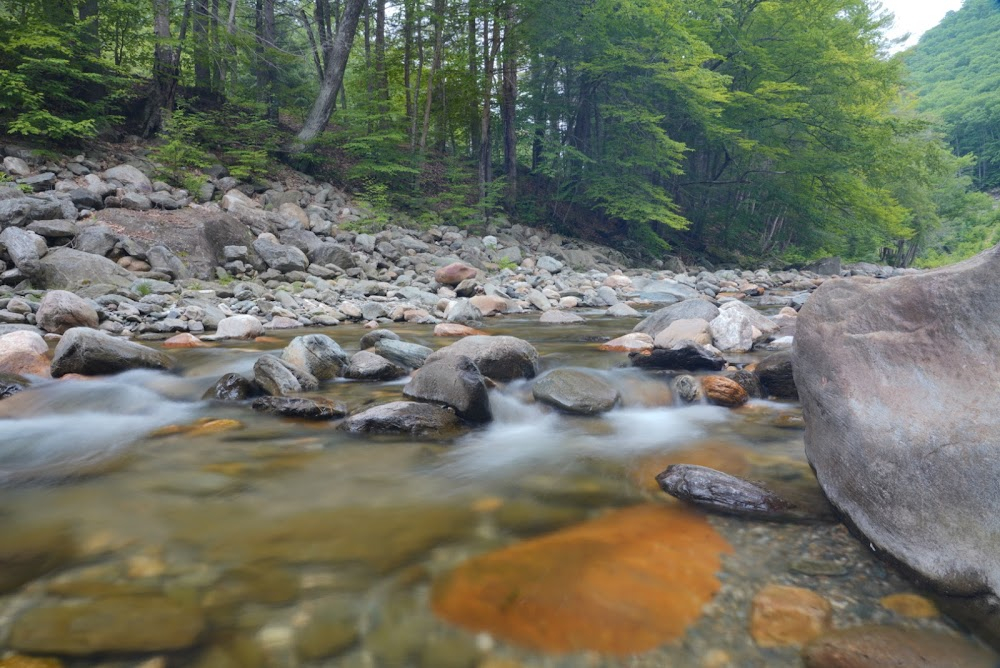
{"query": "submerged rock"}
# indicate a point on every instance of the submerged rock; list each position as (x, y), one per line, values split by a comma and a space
(309, 408)
(624, 583)
(781, 616)
(11, 384)
(895, 647)
(576, 391)
(898, 385)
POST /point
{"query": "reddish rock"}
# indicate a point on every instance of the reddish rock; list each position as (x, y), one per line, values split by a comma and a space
(455, 329)
(892, 647)
(454, 273)
(723, 391)
(184, 340)
(635, 342)
(489, 304)
(24, 353)
(624, 583)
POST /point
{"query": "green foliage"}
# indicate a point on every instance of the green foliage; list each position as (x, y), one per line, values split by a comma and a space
(143, 289)
(507, 263)
(180, 153)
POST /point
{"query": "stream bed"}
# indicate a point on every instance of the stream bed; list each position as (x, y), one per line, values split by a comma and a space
(182, 532)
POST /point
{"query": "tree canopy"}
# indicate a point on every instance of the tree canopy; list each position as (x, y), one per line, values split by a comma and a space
(725, 129)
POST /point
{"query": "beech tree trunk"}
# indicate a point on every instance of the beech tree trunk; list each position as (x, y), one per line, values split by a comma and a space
(333, 76)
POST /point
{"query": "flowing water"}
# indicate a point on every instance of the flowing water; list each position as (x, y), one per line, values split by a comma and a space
(208, 535)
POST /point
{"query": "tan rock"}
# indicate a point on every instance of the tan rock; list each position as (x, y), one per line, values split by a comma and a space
(724, 391)
(455, 329)
(685, 329)
(184, 340)
(454, 273)
(24, 353)
(781, 616)
(489, 304)
(633, 342)
(910, 605)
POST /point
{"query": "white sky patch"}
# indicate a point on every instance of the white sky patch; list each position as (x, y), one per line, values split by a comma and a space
(917, 16)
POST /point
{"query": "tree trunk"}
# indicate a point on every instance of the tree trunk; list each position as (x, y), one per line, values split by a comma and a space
(419, 85)
(317, 61)
(333, 76)
(473, 42)
(490, 47)
(89, 11)
(200, 49)
(408, 54)
(163, 70)
(381, 76)
(267, 69)
(215, 58)
(439, 7)
(508, 104)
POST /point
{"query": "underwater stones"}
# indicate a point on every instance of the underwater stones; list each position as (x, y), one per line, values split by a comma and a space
(113, 624)
(308, 408)
(894, 647)
(623, 583)
(454, 329)
(11, 384)
(501, 358)
(723, 391)
(910, 605)
(403, 417)
(575, 391)
(91, 352)
(781, 616)
(29, 552)
(453, 381)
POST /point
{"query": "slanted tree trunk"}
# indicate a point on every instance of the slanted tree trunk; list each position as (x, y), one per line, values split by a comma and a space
(333, 76)
(313, 44)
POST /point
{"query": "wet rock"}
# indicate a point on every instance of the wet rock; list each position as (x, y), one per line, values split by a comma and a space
(23, 353)
(612, 572)
(893, 647)
(453, 329)
(688, 389)
(575, 391)
(118, 624)
(501, 358)
(91, 352)
(184, 340)
(554, 317)
(454, 273)
(758, 320)
(371, 338)
(233, 387)
(318, 354)
(634, 342)
(401, 353)
(330, 629)
(689, 308)
(724, 493)
(278, 378)
(776, 376)
(750, 383)
(366, 365)
(685, 329)
(61, 310)
(453, 381)
(723, 391)
(239, 327)
(11, 384)
(685, 356)
(30, 552)
(314, 408)
(782, 616)
(450, 651)
(403, 417)
(525, 517)
(732, 331)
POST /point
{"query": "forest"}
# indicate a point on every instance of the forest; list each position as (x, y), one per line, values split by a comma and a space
(735, 131)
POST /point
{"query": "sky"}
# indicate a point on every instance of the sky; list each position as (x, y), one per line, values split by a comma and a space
(916, 16)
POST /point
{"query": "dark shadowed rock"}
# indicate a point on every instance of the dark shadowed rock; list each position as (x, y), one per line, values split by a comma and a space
(898, 383)
(455, 382)
(366, 365)
(829, 266)
(685, 310)
(403, 417)
(306, 408)
(775, 374)
(575, 391)
(318, 354)
(91, 352)
(501, 358)
(233, 387)
(12, 384)
(750, 383)
(895, 647)
(684, 356)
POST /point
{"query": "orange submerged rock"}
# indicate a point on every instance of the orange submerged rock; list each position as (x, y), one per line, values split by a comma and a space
(455, 329)
(626, 582)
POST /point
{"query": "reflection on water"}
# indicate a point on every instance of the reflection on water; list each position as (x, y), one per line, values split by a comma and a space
(252, 541)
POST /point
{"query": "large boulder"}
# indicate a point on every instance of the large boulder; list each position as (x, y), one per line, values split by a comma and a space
(318, 354)
(403, 417)
(91, 352)
(68, 269)
(25, 248)
(196, 235)
(898, 384)
(576, 391)
(61, 310)
(455, 382)
(23, 353)
(501, 358)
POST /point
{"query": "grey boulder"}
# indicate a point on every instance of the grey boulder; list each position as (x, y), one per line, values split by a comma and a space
(455, 382)
(502, 358)
(91, 352)
(577, 391)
